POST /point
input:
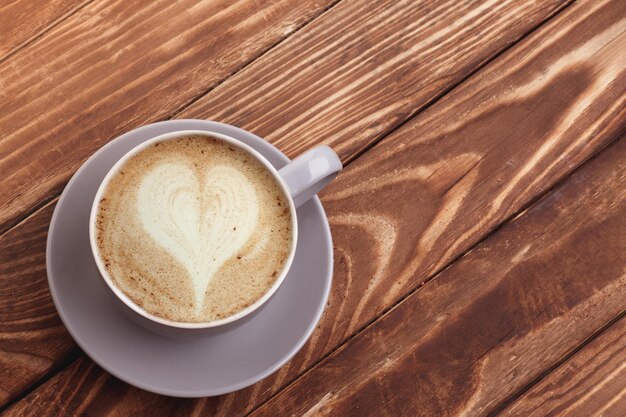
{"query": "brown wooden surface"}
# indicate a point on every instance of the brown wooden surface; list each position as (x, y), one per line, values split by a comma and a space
(349, 73)
(33, 341)
(366, 67)
(58, 346)
(592, 382)
(22, 21)
(116, 65)
(132, 77)
(490, 324)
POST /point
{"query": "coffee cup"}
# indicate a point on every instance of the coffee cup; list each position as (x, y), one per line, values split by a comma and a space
(173, 226)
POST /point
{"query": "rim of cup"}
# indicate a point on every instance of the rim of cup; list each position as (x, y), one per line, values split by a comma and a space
(179, 324)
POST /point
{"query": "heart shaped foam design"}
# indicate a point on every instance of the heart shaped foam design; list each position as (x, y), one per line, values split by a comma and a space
(201, 223)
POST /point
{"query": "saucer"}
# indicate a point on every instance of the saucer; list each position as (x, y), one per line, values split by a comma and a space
(190, 367)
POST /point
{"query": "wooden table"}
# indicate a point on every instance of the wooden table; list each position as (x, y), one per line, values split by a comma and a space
(479, 225)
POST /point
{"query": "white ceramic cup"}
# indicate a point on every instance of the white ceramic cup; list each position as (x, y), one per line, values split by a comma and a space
(301, 179)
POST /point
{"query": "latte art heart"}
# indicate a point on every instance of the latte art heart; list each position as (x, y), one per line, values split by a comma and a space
(202, 222)
(194, 229)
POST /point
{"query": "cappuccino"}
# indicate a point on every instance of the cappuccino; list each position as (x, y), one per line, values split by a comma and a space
(193, 229)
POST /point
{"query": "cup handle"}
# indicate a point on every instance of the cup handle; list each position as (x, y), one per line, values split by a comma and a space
(311, 171)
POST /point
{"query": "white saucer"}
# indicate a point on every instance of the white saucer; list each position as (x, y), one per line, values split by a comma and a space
(202, 367)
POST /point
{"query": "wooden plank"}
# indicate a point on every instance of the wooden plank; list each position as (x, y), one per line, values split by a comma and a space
(495, 320)
(23, 20)
(485, 142)
(32, 338)
(74, 391)
(359, 72)
(115, 65)
(592, 382)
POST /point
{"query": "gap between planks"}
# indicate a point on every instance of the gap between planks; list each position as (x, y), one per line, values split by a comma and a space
(72, 357)
(236, 71)
(51, 25)
(557, 365)
(453, 86)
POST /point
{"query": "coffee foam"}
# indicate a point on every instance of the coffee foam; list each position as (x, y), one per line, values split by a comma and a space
(193, 229)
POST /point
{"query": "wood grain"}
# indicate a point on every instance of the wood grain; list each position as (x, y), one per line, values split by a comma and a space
(74, 391)
(372, 88)
(23, 20)
(116, 65)
(428, 193)
(491, 323)
(359, 72)
(591, 383)
(32, 337)
(460, 169)
(71, 141)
